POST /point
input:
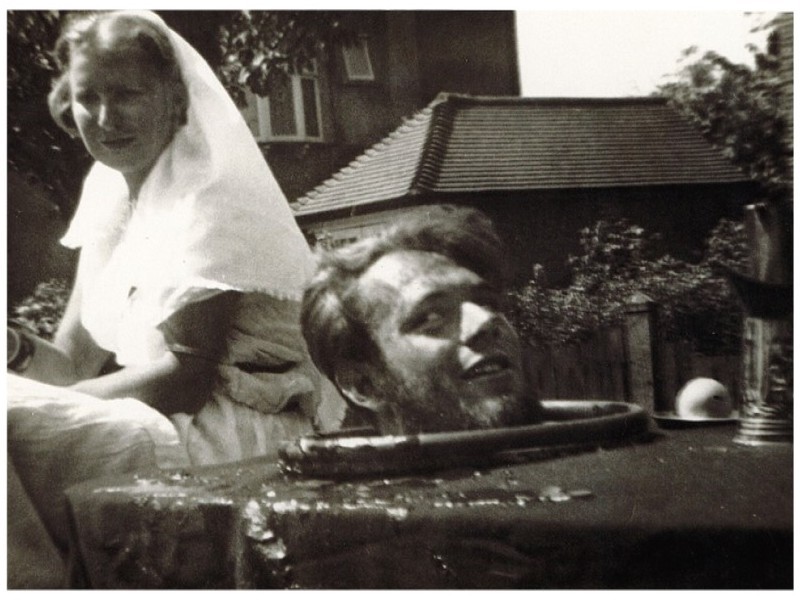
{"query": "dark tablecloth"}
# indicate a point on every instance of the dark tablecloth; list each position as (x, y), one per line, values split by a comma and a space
(689, 509)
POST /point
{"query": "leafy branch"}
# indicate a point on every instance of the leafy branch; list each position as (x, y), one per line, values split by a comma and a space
(37, 147)
(739, 109)
(261, 49)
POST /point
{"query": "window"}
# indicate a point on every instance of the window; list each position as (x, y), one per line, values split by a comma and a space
(357, 63)
(292, 111)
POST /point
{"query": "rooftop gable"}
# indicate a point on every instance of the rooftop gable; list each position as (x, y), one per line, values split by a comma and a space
(470, 144)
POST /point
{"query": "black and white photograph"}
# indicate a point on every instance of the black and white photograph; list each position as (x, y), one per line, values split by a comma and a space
(446, 297)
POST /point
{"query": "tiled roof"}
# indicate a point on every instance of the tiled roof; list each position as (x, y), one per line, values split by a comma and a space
(476, 144)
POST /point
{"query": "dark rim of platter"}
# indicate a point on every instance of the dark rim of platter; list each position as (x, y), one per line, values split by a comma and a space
(569, 426)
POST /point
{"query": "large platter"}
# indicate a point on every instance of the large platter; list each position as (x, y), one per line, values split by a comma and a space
(568, 425)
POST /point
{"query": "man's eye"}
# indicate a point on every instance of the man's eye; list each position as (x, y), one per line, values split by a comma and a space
(428, 320)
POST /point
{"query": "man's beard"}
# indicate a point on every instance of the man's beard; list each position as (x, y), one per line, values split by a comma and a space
(437, 405)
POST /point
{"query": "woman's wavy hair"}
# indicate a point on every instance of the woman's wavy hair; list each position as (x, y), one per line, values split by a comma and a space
(335, 320)
(84, 29)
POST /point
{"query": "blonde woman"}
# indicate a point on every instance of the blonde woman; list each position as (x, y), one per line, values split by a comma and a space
(190, 274)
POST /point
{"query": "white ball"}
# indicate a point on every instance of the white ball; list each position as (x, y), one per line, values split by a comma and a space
(703, 398)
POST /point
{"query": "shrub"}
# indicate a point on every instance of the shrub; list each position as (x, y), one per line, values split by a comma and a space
(43, 310)
(619, 259)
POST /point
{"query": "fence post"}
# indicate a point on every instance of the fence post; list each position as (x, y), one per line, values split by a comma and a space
(641, 353)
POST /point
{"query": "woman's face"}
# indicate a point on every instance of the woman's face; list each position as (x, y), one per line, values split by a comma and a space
(122, 106)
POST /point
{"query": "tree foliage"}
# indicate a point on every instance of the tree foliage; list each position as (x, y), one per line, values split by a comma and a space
(619, 259)
(738, 108)
(262, 48)
(42, 311)
(37, 147)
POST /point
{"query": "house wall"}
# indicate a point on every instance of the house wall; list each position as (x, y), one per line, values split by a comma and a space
(416, 55)
(365, 111)
(469, 52)
(543, 227)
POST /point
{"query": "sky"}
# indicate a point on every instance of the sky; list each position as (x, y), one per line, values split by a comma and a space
(621, 52)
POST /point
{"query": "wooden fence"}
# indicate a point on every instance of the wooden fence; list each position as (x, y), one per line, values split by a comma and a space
(628, 363)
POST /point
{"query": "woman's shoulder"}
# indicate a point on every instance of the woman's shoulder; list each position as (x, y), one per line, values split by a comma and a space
(266, 324)
(236, 326)
(263, 302)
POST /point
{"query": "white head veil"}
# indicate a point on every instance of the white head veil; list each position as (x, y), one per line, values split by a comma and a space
(209, 217)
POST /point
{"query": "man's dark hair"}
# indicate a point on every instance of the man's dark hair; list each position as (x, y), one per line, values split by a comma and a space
(334, 319)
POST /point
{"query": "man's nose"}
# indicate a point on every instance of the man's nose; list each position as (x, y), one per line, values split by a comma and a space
(106, 115)
(477, 322)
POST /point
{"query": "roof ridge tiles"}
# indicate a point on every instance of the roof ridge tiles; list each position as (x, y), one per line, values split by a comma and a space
(467, 99)
(440, 127)
(464, 142)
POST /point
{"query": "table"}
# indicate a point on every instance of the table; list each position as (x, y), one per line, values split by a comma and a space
(688, 509)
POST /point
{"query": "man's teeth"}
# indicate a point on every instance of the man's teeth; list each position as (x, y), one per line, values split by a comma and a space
(486, 368)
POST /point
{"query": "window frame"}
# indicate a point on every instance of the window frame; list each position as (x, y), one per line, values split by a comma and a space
(363, 43)
(264, 115)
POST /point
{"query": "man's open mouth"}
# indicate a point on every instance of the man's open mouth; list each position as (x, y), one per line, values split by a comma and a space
(117, 143)
(487, 366)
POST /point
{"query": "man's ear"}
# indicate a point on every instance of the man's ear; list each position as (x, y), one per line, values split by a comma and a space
(358, 383)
